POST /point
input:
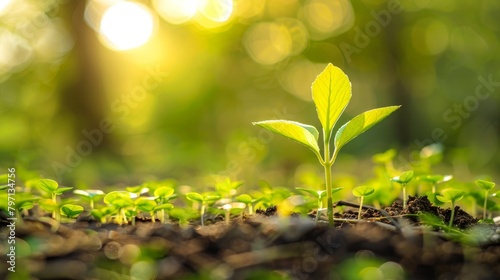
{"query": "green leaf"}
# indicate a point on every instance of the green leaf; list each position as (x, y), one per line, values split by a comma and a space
(62, 190)
(89, 193)
(360, 124)
(145, 204)
(363, 191)
(331, 92)
(435, 179)
(245, 198)
(47, 185)
(164, 192)
(404, 178)
(194, 196)
(312, 192)
(115, 195)
(485, 185)
(166, 206)
(302, 133)
(71, 210)
(450, 195)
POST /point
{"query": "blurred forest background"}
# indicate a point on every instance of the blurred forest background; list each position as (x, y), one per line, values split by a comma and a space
(106, 91)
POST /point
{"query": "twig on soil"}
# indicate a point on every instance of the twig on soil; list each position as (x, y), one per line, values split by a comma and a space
(383, 212)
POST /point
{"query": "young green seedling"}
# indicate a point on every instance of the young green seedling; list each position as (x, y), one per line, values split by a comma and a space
(331, 92)
(319, 195)
(71, 211)
(184, 215)
(51, 187)
(361, 192)
(121, 200)
(205, 201)
(225, 187)
(163, 194)
(90, 195)
(451, 195)
(403, 180)
(249, 201)
(22, 202)
(232, 207)
(486, 186)
(435, 180)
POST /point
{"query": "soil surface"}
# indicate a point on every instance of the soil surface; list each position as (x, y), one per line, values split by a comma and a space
(389, 243)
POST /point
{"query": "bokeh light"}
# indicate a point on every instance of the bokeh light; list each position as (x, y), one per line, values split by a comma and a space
(3, 5)
(327, 17)
(176, 11)
(268, 42)
(15, 52)
(126, 25)
(216, 10)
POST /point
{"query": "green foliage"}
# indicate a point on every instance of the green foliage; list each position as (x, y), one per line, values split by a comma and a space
(451, 195)
(403, 179)
(71, 210)
(90, 195)
(362, 192)
(486, 186)
(205, 200)
(331, 92)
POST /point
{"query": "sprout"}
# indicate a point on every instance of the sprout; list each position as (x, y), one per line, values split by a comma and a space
(435, 180)
(91, 195)
(451, 195)
(403, 180)
(205, 200)
(121, 200)
(486, 186)
(51, 187)
(319, 195)
(361, 192)
(237, 206)
(71, 211)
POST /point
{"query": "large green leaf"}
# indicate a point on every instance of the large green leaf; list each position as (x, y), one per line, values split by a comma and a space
(47, 185)
(302, 133)
(331, 92)
(360, 124)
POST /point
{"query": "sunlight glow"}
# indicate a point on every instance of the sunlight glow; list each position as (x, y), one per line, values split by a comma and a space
(176, 11)
(216, 10)
(4, 4)
(126, 25)
(268, 42)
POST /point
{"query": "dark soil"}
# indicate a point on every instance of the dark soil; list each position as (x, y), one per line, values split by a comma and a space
(264, 246)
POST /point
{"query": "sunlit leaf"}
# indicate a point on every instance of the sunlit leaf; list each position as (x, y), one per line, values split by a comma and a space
(71, 210)
(485, 185)
(302, 133)
(164, 192)
(404, 178)
(194, 196)
(360, 124)
(363, 191)
(450, 195)
(47, 185)
(331, 92)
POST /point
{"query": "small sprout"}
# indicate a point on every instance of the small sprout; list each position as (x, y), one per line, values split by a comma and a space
(91, 195)
(138, 190)
(163, 194)
(121, 200)
(146, 204)
(451, 195)
(238, 206)
(319, 195)
(361, 192)
(486, 186)
(226, 187)
(435, 180)
(205, 200)
(331, 93)
(184, 215)
(71, 211)
(403, 179)
(247, 199)
(52, 188)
